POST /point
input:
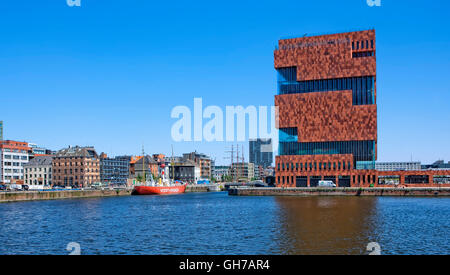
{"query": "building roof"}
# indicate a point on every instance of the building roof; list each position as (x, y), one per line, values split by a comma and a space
(148, 160)
(40, 161)
(86, 152)
(185, 162)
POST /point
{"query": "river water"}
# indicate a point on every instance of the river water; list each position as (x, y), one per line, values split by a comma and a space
(215, 223)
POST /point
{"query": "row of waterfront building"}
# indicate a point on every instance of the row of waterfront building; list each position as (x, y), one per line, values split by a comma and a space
(26, 163)
(37, 167)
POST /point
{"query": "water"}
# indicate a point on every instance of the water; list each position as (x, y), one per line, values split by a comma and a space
(215, 223)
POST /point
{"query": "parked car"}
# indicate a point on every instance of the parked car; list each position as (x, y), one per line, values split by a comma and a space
(326, 183)
(2, 187)
(25, 187)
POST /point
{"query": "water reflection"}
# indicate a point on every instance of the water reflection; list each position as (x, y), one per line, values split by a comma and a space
(326, 225)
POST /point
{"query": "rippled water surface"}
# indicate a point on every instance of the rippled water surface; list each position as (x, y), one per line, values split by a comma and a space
(215, 223)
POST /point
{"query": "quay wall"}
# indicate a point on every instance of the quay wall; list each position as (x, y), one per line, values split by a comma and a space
(201, 188)
(341, 191)
(65, 194)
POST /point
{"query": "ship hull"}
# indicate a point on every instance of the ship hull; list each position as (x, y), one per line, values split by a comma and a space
(159, 190)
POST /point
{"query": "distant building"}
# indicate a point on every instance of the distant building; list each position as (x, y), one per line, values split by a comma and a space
(35, 150)
(13, 156)
(1, 130)
(269, 171)
(159, 158)
(114, 170)
(261, 152)
(243, 171)
(38, 172)
(221, 171)
(440, 164)
(150, 167)
(76, 166)
(186, 171)
(203, 161)
(397, 166)
(168, 160)
(259, 172)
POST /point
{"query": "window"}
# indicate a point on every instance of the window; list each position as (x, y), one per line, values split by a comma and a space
(326, 85)
(363, 54)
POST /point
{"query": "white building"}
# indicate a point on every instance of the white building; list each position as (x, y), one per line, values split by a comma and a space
(220, 171)
(398, 166)
(13, 156)
(38, 172)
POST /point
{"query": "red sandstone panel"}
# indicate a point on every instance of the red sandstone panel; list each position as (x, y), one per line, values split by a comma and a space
(327, 56)
(327, 116)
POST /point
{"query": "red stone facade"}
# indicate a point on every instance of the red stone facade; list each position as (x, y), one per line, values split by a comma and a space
(327, 116)
(330, 116)
(290, 168)
(327, 56)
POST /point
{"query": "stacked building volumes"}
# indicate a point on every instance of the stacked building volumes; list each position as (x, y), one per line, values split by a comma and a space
(327, 100)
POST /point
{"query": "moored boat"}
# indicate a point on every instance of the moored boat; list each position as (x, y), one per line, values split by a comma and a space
(159, 190)
(165, 186)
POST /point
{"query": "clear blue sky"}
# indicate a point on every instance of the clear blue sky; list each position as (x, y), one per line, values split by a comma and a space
(108, 73)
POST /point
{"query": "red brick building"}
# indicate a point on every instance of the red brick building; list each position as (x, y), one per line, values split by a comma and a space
(327, 104)
(76, 167)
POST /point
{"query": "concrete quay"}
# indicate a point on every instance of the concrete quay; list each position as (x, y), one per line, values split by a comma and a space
(340, 191)
(63, 194)
(72, 194)
(203, 188)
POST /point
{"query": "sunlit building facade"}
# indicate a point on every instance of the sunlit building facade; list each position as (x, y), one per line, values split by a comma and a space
(327, 104)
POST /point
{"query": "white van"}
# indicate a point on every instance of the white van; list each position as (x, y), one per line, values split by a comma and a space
(326, 183)
(15, 187)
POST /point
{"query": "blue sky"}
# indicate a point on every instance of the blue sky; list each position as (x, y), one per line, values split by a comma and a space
(108, 73)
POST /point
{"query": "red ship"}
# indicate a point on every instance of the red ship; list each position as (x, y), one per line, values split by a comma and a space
(159, 190)
(164, 187)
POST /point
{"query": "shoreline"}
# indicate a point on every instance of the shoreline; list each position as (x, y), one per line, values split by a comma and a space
(59, 195)
(342, 191)
(19, 196)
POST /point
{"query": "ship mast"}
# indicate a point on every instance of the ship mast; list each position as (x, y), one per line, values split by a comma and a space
(173, 167)
(143, 163)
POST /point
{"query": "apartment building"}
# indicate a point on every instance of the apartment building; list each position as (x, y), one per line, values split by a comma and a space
(13, 156)
(76, 166)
